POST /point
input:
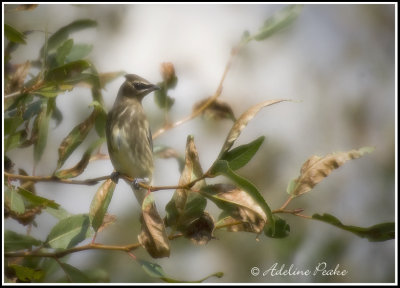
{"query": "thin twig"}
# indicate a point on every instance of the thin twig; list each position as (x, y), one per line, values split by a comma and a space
(93, 181)
(91, 246)
(11, 95)
(210, 100)
(295, 212)
(56, 179)
(287, 202)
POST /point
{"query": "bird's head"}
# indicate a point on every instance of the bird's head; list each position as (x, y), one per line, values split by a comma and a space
(137, 87)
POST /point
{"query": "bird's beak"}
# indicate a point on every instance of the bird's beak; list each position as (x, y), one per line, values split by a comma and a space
(154, 88)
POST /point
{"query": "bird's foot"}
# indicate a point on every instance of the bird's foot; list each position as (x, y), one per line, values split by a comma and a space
(136, 182)
(115, 177)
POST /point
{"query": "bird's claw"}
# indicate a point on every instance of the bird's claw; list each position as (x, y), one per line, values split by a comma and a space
(115, 177)
(136, 182)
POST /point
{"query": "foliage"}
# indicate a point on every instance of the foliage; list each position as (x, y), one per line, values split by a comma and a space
(30, 106)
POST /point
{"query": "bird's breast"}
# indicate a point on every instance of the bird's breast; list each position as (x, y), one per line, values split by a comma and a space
(128, 144)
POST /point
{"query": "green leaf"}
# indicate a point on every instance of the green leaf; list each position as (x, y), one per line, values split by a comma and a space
(57, 115)
(52, 90)
(81, 165)
(240, 156)
(59, 213)
(162, 99)
(13, 138)
(376, 233)
(42, 126)
(221, 167)
(282, 229)
(73, 274)
(156, 271)
(37, 200)
(63, 51)
(280, 20)
(63, 33)
(69, 231)
(100, 123)
(100, 202)
(11, 124)
(78, 51)
(317, 168)
(16, 202)
(14, 241)
(75, 138)
(32, 109)
(14, 141)
(67, 71)
(13, 34)
(97, 275)
(26, 274)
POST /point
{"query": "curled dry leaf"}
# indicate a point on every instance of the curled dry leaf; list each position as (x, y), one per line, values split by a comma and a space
(17, 79)
(242, 122)
(24, 7)
(81, 165)
(191, 172)
(100, 202)
(217, 110)
(75, 138)
(28, 185)
(185, 211)
(239, 205)
(167, 70)
(200, 230)
(107, 221)
(25, 218)
(153, 236)
(316, 168)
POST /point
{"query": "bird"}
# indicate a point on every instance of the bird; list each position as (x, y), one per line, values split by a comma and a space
(128, 133)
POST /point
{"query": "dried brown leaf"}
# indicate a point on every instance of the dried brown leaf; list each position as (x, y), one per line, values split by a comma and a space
(167, 70)
(240, 206)
(242, 122)
(217, 110)
(28, 185)
(191, 172)
(24, 7)
(153, 236)
(200, 230)
(233, 225)
(107, 221)
(316, 168)
(17, 79)
(25, 218)
(100, 202)
(75, 138)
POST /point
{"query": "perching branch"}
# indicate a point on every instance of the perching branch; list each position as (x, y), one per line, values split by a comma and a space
(52, 178)
(94, 181)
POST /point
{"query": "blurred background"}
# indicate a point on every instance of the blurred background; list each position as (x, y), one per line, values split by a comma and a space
(337, 61)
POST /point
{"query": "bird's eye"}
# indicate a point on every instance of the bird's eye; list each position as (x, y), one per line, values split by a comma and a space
(139, 85)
